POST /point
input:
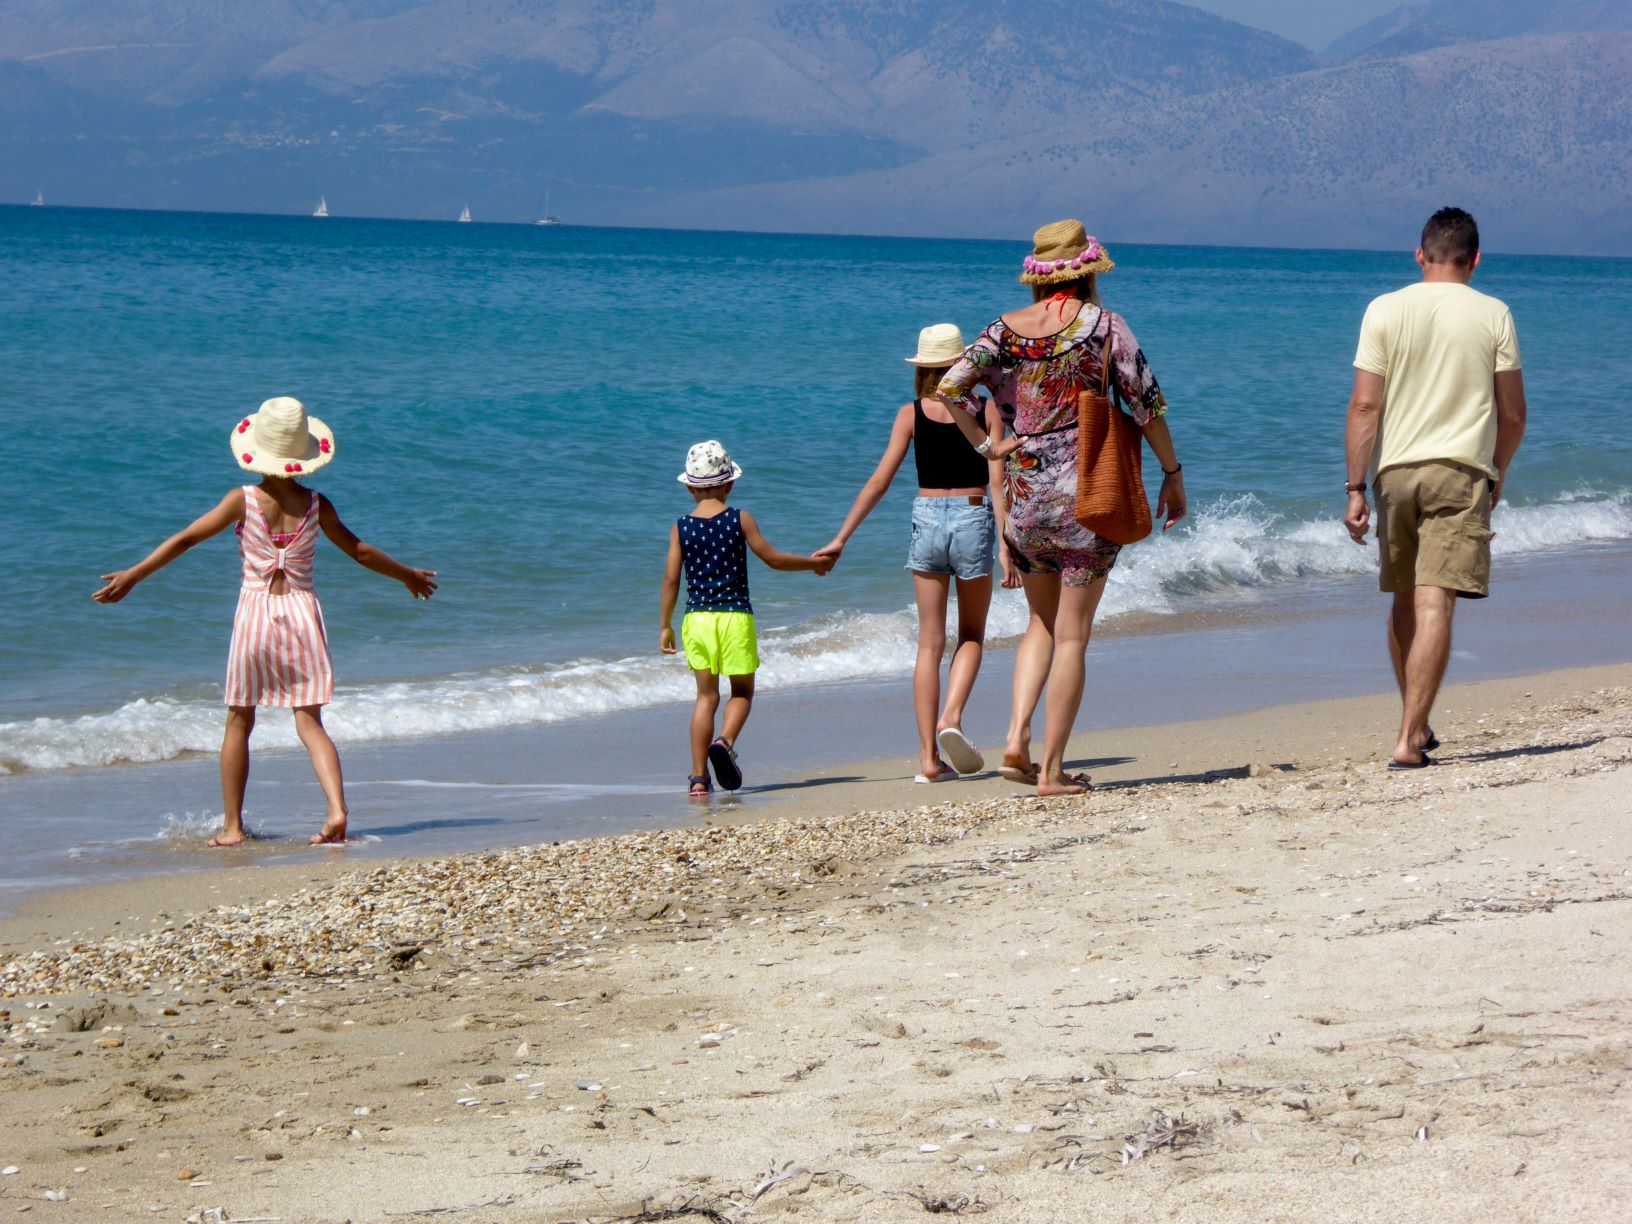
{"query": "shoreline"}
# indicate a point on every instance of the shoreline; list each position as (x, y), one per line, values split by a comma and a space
(620, 772)
(1265, 967)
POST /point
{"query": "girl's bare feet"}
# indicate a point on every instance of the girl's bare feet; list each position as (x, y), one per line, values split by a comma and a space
(225, 838)
(333, 832)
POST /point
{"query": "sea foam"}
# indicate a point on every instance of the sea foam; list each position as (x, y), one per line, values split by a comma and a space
(1230, 549)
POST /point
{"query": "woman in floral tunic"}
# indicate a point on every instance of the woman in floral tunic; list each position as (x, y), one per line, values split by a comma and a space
(1035, 361)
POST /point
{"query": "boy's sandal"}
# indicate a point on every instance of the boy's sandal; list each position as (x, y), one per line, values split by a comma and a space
(700, 785)
(723, 758)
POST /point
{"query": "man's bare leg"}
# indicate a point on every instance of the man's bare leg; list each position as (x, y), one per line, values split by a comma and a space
(1424, 649)
(1402, 626)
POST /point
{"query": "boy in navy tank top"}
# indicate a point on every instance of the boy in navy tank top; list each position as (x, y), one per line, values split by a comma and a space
(718, 636)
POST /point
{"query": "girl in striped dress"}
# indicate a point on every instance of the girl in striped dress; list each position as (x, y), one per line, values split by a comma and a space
(280, 652)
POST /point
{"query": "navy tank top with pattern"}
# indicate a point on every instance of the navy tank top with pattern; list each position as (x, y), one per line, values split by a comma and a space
(716, 560)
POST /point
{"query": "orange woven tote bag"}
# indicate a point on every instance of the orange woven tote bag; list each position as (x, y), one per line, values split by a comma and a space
(1111, 499)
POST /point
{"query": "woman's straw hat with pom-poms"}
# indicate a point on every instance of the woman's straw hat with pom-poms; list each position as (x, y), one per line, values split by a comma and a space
(1063, 251)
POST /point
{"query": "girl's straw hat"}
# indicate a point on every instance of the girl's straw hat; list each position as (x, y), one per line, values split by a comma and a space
(1063, 251)
(281, 440)
(708, 464)
(940, 344)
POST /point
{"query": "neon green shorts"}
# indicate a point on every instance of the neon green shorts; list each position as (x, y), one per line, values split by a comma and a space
(725, 643)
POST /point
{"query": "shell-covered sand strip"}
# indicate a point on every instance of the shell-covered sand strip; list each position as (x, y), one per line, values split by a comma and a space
(486, 903)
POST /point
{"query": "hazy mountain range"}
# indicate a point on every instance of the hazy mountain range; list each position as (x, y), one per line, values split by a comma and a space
(1152, 120)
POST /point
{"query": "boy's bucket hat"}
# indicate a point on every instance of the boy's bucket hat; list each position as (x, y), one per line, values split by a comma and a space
(1063, 251)
(708, 464)
(939, 344)
(281, 440)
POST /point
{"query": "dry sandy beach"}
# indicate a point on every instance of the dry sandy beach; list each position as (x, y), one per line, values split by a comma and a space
(1253, 977)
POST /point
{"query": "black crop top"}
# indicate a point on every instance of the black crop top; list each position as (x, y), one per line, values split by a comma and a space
(944, 457)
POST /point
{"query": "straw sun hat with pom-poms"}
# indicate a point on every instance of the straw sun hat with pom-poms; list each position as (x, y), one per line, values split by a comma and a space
(1063, 251)
(281, 440)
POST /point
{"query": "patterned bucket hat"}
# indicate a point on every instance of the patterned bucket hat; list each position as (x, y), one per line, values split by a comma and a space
(708, 464)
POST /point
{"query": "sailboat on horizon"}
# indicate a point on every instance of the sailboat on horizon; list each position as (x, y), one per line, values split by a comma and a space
(38, 201)
(546, 218)
(464, 215)
(322, 209)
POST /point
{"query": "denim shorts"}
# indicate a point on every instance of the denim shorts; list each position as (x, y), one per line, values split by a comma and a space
(952, 535)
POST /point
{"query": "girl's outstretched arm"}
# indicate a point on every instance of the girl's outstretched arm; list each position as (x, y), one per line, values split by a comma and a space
(420, 583)
(671, 592)
(877, 484)
(119, 584)
(775, 557)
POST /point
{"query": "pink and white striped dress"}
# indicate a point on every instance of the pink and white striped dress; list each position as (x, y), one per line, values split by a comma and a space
(280, 652)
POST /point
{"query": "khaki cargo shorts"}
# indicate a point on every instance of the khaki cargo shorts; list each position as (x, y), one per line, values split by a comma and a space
(1433, 528)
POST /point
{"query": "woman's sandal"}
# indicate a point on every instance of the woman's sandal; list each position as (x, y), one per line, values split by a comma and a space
(1025, 775)
(700, 786)
(1081, 780)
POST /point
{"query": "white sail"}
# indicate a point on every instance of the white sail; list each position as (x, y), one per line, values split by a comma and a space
(39, 199)
(546, 218)
(322, 209)
(465, 214)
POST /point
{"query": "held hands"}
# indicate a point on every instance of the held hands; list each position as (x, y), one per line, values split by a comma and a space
(1005, 563)
(1171, 501)
(421, 584)
(118, 585)
(666, 642)
(1358, 517)
(829, 554)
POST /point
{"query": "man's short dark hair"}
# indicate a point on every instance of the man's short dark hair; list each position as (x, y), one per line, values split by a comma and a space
(1451, 236)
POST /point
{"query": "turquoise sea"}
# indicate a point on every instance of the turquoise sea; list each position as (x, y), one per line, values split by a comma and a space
(511, 405)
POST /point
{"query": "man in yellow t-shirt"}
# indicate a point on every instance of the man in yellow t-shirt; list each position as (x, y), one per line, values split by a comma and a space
(1437, 413)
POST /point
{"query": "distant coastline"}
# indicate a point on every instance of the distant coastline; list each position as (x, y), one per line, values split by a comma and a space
(524, 222)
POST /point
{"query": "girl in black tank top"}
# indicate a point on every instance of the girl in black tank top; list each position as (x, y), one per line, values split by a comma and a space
(953, 540)
(943, 456)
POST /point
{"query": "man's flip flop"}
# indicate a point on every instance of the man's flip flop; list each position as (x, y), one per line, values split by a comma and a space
(1422, 764)
(946, 775)
(724, 760)
(963, 755)
(1431, 742)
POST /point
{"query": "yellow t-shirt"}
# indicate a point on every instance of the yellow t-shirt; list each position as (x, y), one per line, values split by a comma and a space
(1438, 347)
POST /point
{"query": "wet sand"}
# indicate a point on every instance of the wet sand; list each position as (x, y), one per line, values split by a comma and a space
(1254, 977)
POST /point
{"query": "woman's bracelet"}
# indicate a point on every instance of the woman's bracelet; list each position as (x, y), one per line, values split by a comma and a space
(984, 446)
(1177, 468)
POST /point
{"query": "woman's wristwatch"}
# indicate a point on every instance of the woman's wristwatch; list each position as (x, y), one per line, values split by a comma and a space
(1355, 487)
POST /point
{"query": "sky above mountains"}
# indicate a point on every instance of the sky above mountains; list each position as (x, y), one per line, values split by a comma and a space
(951, 117)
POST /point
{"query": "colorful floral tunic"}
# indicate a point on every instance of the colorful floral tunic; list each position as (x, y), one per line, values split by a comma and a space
(1036, 381)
